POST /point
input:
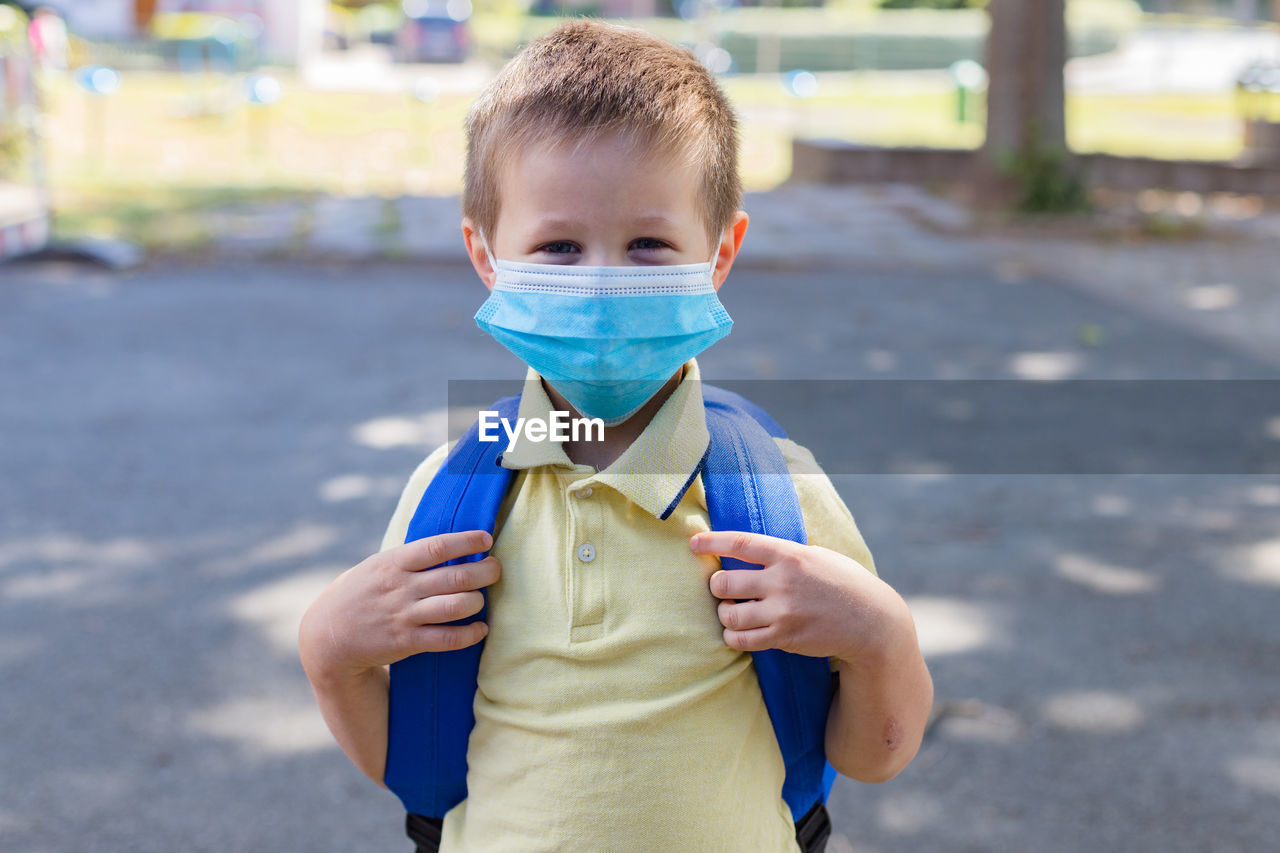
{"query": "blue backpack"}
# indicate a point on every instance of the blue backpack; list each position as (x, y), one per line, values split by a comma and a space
(748, 488)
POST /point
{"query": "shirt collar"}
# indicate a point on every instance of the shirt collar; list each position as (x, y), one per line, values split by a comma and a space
(534, 403)
(659, 466)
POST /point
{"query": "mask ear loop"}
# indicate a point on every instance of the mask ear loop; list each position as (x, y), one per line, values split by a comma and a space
(493, 259)
(715, 255)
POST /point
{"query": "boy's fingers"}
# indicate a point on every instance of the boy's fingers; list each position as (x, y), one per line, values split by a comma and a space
(749, 547)
(750, 640)
(434, 550)
(438, 609)
(742, 616)
(738, 583)
(446, 580)
(448, 638)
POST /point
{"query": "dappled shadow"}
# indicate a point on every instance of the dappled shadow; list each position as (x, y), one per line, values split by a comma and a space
(1128, 683)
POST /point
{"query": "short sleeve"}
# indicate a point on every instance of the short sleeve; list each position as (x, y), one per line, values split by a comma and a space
(398, 528)
(827, 521)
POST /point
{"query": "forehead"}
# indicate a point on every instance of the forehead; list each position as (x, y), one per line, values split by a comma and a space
(606, 180)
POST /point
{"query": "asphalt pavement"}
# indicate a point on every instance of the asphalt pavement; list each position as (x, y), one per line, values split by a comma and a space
(191, 452)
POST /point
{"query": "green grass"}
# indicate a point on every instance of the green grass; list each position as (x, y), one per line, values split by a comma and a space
(169, 216)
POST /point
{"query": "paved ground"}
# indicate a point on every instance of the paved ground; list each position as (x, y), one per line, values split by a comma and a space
(191, 452)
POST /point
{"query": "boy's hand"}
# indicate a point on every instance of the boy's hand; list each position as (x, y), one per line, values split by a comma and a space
(813, 601)
(807, 599)
(389, 607)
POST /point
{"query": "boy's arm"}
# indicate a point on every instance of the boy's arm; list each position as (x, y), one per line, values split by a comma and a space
(826, 600)
(813, 601)
(383, 610)
(350, 689)
(868, 690)
(355, 709)
(882, 704)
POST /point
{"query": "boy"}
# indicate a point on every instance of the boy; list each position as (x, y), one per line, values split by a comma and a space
(617, 707)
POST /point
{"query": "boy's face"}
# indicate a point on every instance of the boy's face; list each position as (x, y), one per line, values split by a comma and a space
(607, 204)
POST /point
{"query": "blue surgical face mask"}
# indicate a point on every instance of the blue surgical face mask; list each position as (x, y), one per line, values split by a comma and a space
(607, 338)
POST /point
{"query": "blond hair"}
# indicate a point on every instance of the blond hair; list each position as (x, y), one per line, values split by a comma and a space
(587, 79)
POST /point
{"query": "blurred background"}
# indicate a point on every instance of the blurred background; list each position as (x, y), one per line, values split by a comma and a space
(148, 114)
(233, 295)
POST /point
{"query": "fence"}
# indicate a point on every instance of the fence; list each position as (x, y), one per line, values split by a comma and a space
(754, 52)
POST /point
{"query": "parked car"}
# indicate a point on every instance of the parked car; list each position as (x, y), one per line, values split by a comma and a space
(434, 32)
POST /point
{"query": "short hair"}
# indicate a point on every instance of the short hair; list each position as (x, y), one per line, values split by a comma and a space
(588, 79)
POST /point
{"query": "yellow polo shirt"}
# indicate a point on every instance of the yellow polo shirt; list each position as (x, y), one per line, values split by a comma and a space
(610, 715)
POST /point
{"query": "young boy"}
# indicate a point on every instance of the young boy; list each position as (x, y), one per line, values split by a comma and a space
(617, 706)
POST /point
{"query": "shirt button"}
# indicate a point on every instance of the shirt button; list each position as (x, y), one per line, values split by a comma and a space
(586, 553)
(584, 493)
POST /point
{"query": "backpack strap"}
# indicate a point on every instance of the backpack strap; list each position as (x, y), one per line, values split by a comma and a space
(749, 488)
(432, 693)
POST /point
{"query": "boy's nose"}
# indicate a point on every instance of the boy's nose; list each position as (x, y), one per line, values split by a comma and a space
(605, 253)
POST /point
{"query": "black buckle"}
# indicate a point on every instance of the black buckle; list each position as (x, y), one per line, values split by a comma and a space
(424, 831)
(813, 830)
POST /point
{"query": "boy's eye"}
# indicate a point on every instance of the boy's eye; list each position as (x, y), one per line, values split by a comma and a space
(564, 247)
(648, 243)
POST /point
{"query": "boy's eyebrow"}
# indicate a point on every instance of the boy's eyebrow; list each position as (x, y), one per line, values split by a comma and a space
(557, 222)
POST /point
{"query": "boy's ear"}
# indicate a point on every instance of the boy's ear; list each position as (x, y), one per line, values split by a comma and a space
(475, 250)
(730, 243)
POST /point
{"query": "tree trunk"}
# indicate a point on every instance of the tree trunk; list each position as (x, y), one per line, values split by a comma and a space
(1026, 50)
(1026, 146)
